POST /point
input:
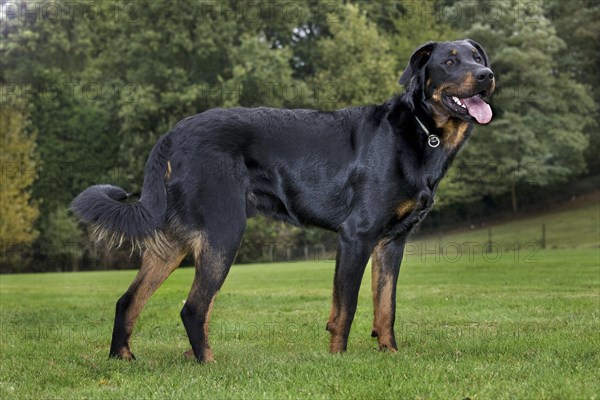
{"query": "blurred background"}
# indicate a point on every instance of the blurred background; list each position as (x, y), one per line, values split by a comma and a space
(87, 87)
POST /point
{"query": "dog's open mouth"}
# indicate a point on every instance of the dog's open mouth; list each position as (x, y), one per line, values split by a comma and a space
(474, 106)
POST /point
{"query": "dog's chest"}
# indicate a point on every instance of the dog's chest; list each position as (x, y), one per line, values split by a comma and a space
(418, 192)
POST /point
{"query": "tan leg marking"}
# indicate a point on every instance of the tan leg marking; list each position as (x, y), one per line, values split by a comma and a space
(153, 272)
(208, 355)
(383, 315)
(382, 286)
(375, 271)
(200, 248)
(336, 326)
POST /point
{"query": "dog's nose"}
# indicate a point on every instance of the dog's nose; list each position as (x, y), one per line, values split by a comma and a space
(484, 74)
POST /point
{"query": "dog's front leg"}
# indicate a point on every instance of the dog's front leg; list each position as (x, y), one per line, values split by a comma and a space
(351, 260)
(385, 267)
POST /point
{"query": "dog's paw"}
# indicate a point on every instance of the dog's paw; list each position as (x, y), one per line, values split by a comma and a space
(388, 348)
(207, 357)
(122, 354)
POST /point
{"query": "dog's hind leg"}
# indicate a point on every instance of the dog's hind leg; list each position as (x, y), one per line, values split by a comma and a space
(385, 266)
(215, 250)
(213, 261)
(153, 272)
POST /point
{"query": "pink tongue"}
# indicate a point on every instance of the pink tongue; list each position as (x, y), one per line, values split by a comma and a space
(478, 109)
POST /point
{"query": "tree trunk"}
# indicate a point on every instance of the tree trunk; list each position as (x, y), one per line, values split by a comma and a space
(513, 192)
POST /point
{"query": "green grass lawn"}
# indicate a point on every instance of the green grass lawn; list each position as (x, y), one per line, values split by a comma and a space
(467, 329)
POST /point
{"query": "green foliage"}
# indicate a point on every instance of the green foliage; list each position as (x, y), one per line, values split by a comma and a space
(538, 135)
(262, 76)
(419, 24)
(354, 51)
(576, 23)
(44, 62)
(262, 238)
(18, 160)
(61, 228)
(100, 90)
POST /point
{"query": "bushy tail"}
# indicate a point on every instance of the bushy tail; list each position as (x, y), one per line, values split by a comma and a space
(103, 206)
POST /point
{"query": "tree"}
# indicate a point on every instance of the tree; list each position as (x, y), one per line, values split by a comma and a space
(18, 160)
(576, 23)
(44, 68)
(62, 249)
(99, 88)
(262, 76)
(412, 23)
(537, 135)
(357, 65)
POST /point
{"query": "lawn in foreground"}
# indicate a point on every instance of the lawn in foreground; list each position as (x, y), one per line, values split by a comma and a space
(471, 328)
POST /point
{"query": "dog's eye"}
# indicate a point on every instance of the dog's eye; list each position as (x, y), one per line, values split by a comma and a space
(478, 59)
(450, 62)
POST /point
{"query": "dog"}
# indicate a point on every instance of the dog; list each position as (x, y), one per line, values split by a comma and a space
(369, 173)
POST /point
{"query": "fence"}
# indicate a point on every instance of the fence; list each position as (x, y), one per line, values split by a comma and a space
(488, 242)
(450, 247)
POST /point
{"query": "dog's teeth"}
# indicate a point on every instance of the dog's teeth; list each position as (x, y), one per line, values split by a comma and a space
(458, 102)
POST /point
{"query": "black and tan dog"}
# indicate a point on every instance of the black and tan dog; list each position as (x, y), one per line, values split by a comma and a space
(369, 173)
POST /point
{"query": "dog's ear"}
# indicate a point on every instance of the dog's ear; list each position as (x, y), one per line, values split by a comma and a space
(418, 59)
(481, 51)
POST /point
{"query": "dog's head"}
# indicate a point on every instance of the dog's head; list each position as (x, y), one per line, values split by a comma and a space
(453, 79)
